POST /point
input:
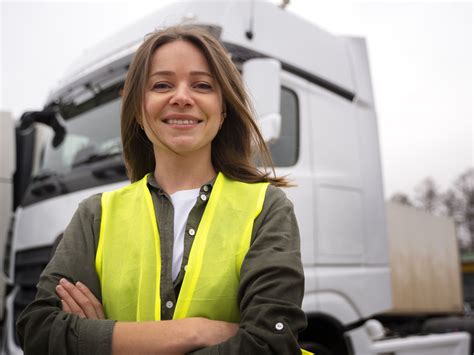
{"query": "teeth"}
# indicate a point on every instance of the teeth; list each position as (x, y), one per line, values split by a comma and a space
(181, 122)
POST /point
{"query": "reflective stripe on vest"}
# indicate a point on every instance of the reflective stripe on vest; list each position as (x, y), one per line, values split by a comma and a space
(128, 259)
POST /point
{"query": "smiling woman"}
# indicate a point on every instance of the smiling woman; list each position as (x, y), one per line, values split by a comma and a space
(183, 105)
(237, 141)
(201, 252)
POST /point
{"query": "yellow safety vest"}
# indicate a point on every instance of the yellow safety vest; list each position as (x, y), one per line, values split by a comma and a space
(128, 259)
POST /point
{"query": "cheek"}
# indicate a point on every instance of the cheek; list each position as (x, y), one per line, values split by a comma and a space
(149, 107)
(152, 105)
(216, 128)
(148, 131)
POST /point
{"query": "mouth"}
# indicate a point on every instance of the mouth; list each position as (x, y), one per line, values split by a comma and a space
(181, 120)
(174, 121)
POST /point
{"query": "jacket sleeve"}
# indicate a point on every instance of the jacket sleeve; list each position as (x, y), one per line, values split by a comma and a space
(271, 287)
(43, 328)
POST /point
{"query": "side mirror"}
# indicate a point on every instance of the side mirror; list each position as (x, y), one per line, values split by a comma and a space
(262, 78)
(25, 141)
(48, 118)
(25, 134)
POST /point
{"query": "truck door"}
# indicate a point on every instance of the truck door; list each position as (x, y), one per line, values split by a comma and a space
(291, 154)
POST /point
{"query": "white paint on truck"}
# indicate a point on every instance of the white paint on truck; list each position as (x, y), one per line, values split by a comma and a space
(7, 167)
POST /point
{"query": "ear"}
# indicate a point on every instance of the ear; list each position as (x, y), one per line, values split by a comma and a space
(223, 116)
(224, 107)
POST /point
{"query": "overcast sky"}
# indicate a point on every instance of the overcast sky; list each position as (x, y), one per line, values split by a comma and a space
(420, 55)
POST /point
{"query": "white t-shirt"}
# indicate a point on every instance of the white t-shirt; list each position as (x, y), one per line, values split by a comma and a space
(183, 202)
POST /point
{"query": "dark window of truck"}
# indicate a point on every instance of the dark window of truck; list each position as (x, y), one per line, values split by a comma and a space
(92, 132)
(285, 149)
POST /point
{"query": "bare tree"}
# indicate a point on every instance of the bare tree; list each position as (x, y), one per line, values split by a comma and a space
(457, 203)
(452, 206)
(464, 192)
(401, 199)
(427, 196)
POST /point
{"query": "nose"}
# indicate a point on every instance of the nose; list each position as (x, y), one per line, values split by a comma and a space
(182, 96)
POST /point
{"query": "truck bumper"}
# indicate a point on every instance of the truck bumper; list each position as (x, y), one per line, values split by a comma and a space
(434, 344)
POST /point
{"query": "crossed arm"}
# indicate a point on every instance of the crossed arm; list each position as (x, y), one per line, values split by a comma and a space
(170, 337)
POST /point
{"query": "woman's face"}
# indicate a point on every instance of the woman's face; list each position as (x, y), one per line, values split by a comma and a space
(183, 101)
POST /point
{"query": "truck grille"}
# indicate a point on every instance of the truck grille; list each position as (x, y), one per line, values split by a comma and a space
(28, 266)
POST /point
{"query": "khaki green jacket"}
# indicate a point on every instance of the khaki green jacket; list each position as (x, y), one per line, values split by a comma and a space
(270, 292)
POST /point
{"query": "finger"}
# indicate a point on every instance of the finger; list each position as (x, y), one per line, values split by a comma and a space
(80, 299)
(66, 307)
(99, 309)
(71, 304)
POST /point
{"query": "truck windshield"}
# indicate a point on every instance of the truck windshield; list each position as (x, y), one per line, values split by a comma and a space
(91, 136)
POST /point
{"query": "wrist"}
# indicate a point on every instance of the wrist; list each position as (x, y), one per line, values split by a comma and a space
(194, 331)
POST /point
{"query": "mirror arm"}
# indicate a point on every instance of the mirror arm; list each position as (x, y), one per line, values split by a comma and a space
(48, 118)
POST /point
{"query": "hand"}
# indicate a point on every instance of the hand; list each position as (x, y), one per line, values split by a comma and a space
(78, 299)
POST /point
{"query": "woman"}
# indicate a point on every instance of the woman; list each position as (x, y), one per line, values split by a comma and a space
(134, 273)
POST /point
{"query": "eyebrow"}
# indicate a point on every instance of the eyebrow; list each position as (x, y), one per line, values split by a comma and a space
(171, 73)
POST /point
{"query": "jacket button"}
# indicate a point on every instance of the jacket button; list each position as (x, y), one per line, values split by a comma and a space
(205, 188)
(169, 304)
(203, 197)
(191, 232)
(279, 326)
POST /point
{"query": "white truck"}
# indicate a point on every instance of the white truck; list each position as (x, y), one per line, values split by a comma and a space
(313, 96)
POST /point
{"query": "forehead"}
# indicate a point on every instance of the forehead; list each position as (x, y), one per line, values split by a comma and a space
(177, 55)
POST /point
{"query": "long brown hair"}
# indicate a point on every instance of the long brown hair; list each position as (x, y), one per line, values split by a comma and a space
(238, 141)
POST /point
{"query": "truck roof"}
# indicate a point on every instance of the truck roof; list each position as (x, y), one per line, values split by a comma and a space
(276, 33)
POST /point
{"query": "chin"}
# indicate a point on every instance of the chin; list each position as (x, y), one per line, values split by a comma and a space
(188, 149)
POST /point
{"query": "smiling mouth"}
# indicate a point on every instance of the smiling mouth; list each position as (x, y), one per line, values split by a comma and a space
(174, 121)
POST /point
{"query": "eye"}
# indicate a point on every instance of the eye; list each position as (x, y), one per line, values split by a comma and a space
(203, 86)
(161, 86)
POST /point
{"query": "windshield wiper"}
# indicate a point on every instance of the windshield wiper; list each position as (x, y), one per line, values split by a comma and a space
(47, 183)
(95, 157)
(43, 175)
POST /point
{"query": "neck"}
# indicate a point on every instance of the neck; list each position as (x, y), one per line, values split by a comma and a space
(175, 172)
